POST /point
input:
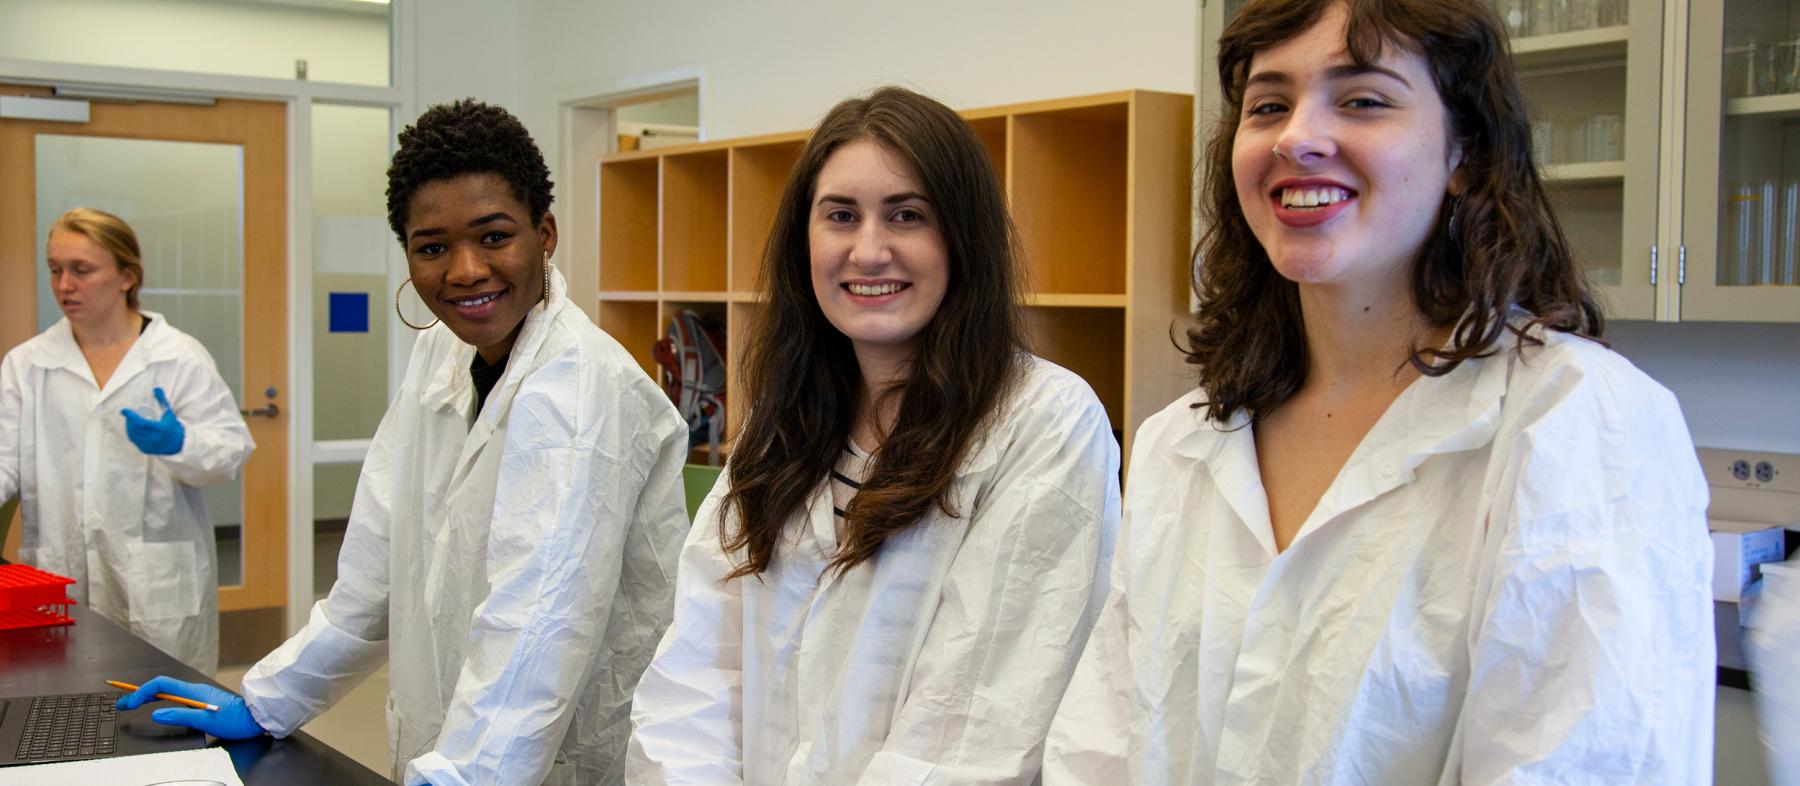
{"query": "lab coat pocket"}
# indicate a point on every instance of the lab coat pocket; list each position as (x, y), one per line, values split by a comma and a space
(168, 582)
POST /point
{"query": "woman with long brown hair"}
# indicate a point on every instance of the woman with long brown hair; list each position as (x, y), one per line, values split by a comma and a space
(1417, 525)
(892, 581)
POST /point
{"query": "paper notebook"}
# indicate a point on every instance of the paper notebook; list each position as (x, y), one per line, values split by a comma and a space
(151, 768)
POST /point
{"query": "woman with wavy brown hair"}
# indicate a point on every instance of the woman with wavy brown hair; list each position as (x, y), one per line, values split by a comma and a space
(892, 581)
(1417, 525)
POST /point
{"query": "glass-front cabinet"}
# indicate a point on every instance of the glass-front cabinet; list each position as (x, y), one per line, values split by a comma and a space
(1589, 69)
(1741, 209)
(1669, 139)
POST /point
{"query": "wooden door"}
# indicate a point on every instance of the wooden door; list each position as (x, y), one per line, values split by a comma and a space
(259, 130)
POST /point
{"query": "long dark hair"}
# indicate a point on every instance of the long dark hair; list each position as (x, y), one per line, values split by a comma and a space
(802, 376)
(1505, 248)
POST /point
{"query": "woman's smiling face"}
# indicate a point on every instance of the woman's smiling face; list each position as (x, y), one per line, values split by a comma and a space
(880, 266)
(476, 258)
(1341, 169)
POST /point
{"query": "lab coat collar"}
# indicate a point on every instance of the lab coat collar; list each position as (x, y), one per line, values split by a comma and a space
(520, 362)
(152, 346)
(1456, 412)
(450, 387)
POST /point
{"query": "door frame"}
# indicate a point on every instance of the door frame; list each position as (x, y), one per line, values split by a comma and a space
(258, 129)
(400, 97)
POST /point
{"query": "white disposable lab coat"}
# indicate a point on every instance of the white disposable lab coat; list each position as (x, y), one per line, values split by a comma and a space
(1773, 646)
(516, 572)
(937, 662)
(131, 529)
(1508, 582)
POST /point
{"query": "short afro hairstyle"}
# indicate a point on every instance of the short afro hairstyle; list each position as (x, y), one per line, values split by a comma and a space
(466, 137)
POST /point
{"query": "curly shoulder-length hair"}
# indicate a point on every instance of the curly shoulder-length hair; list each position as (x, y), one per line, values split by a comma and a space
(1496, 245)
(802, 374)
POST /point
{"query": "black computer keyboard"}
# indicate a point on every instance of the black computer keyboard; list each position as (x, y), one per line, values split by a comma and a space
(60, 727)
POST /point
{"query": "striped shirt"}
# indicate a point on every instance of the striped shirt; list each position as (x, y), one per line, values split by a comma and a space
(847, 478)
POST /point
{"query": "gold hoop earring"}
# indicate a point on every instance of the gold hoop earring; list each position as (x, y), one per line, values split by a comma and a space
(402, 316)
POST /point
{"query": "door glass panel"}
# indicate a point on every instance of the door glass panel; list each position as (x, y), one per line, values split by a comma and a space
(352, 246)
(1759, 166)
(343, 41)
(353, 303)
(185, 201)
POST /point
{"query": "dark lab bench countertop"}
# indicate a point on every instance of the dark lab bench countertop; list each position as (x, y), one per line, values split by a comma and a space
(77, 658)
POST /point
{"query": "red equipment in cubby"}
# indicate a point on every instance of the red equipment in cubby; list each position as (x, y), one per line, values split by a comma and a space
(31, 598)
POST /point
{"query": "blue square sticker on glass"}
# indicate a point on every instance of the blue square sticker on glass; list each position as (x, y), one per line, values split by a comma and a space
(349, 312)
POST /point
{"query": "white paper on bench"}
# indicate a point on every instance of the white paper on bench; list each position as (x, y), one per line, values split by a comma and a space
(203, 764)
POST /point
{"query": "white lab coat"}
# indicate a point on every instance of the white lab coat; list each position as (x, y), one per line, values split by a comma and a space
(1773, 646)
(1508, 582)
(516, 572)
(937, 662)
(131, 529)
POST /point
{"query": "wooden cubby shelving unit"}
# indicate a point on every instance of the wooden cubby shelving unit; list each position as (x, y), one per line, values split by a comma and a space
(1099, 187)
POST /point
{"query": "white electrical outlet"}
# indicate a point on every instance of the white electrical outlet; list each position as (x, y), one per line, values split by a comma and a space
(1747, 469)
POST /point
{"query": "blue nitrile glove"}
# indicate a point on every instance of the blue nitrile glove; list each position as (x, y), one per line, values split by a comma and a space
(161, 437)
(232, 721)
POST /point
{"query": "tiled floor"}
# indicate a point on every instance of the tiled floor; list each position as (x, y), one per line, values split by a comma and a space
(356, 725)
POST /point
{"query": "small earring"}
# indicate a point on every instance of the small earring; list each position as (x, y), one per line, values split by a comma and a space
(402, 316)
(1450, 229)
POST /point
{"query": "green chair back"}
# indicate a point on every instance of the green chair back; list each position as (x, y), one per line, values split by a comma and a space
(698, 479)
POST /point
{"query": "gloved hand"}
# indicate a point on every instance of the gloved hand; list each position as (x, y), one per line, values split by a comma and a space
(232, 721)
(161, 437)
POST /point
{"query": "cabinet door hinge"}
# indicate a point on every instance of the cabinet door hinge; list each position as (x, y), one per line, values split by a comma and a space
(1652, 264)
(1681, 265)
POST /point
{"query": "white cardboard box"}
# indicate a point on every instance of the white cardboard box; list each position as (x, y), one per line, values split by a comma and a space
(1738, 547)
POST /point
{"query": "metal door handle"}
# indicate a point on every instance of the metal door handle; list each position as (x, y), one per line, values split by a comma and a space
(269, 411)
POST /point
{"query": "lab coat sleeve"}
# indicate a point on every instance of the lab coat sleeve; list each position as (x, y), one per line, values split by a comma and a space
(1591, 653)
(1018, 604)
(12, 410)
(345, 638)
(217, 442)
(577, 463)
(687, 717)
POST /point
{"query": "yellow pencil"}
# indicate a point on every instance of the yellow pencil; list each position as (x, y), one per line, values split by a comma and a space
(199, 705)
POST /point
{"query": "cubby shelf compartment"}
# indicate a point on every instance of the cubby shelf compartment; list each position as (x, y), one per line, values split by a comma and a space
(635, 325)
(758, 173)
(1068, 188)
(693, 221)
(628, 212)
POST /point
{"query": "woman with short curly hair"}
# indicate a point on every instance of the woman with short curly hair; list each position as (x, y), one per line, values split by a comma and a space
(511, 546)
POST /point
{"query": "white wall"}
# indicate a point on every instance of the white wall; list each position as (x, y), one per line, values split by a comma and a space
(1739, 385)
(778, 66)
(471, 48)
(207, 36)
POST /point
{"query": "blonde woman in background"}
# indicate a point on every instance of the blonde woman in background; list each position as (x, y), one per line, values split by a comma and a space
(111, 423)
